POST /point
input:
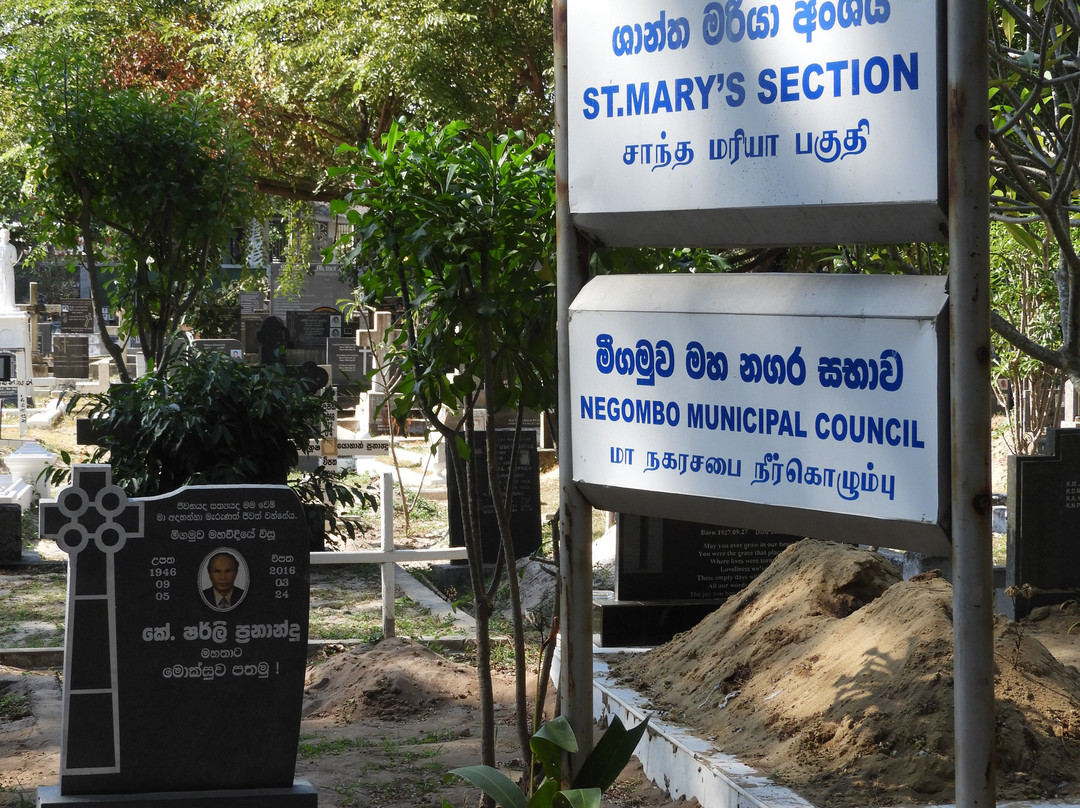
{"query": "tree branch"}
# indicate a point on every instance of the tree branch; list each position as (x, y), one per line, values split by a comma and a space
(1024, 343)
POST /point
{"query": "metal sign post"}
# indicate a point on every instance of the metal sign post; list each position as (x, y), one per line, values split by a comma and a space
(575, 514)
(969, 302)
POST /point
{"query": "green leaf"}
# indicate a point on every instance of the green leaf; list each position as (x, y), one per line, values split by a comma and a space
(610, 756)
(1024, 238)
(493, 783)
(544, 794)
(578, 798)
(558, 732)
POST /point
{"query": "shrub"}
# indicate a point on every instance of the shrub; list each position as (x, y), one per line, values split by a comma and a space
(214, 420)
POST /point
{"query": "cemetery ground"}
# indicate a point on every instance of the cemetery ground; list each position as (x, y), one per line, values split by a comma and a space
(383, 720)
(828, 674)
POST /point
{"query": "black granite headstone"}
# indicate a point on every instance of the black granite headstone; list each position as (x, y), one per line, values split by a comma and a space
(309, 329)
(44, 338)
(524, 501)
(77, 315)
(667, 559)
(71, 357)
(10, 533)
(252, 302)
(168, 688)
(349, 363)
(273, 337)
(670, 574)
(1043, 547)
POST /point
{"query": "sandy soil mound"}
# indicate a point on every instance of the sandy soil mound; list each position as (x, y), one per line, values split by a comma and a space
(834, 676)
(394, 678)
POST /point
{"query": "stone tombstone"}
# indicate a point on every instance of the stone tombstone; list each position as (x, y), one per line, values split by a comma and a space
(10, 533)
(1043, 545)
(323, 283)
(71, 357)
(349, 363)
(249, 331)
(77, 315)
(273, 337)
(232, 347)
(667, 559)
(169, 690)
(309, 330)
(669, 574)
(252, 302)
(524, 502)
(44, 338)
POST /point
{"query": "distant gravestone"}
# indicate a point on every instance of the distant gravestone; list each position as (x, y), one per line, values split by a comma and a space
(77, 315)
(249, 331)
(1043, 547)
(186, 644)
(71, 357)
(349, 363)
(10, 533)
(252, 302)
(309, 330)
(670, 574)
(232, 347)
(273, 337)
(44, 338)
(524, 501)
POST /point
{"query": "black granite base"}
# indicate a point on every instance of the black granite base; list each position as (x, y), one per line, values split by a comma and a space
(629, 623)
(301, 795)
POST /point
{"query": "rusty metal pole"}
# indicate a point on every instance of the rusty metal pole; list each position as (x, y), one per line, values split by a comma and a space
(575, 514)
(969, 310)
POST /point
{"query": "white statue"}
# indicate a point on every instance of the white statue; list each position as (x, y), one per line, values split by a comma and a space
(9, 256)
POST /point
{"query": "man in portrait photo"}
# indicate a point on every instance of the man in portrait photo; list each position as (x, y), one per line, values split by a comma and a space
(222, 593)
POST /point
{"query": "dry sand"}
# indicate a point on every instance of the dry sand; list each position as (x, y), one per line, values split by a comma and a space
(834, 676)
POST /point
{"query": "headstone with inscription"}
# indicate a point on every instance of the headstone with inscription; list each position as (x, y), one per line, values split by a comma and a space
(350, 363)
(1043, 547)
(669, 574)
(77, 315)
(186, 645)
(232, 347)
(524, 500)
(309, 329)
(71, 357)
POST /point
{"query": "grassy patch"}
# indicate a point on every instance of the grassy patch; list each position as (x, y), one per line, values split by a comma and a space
(346, 603)
(32, 609)
(316, 746)
(357, 619)
(394, 770)
(14, 707)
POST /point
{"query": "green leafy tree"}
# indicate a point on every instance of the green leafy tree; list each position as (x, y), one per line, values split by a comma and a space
(323, 74)
(1035, 165)
(152, 183)
(459, 229)
(1021, 277)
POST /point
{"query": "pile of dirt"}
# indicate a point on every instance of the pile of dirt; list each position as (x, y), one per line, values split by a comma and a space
(834, 676)
(392, 679)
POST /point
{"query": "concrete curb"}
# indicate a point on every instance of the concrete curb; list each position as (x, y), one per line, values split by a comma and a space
(683, 765)
(32, 657)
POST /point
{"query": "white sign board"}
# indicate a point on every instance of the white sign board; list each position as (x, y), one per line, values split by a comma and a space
(805, 404)
(705, 123)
